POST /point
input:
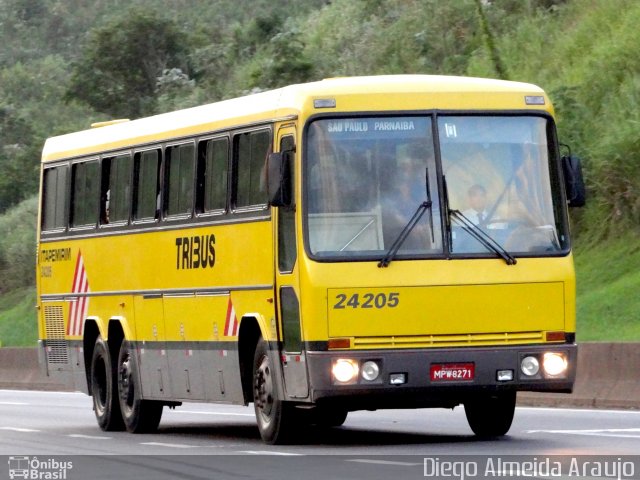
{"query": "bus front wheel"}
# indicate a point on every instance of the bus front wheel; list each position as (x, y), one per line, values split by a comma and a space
(491, 415)
(274, 416)
(140, 416)
(103, 388)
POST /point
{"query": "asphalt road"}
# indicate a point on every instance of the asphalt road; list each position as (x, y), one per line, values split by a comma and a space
(220, 441)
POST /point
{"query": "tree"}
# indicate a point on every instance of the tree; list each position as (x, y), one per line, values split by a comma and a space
(118, 71)
(284, 62)
(19, 159)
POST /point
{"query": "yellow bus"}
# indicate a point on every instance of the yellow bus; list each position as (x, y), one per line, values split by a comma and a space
(347, 244)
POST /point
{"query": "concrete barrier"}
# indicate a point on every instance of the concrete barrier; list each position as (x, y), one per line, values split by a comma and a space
(608, 377)
(19, 369)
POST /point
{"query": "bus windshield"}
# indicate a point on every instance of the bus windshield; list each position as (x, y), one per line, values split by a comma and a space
(365, 177)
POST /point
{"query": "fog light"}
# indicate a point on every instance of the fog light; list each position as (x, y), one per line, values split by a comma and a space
(554, 364)
(530, 366)
(345, 370)
(398, 378)
(504, 375)
(370, 371)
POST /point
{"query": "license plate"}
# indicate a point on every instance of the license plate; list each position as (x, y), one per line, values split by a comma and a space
(452, 372)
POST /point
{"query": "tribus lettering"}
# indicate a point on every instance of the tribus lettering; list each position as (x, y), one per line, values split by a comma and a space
(195, 252)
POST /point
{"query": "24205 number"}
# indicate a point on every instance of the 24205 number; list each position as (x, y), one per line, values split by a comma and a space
(367, 300)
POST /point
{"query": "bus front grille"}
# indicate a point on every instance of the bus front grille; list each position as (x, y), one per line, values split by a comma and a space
(455, 340)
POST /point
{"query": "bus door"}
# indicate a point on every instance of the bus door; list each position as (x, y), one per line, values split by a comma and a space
(287, 286)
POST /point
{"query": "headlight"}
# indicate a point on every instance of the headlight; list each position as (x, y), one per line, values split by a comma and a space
(554, 364)
(345, 370)
(370, 371)
(530, 366)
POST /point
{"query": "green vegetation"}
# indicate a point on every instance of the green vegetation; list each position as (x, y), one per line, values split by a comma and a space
(18, 326)
(67, 63)
(608, 276)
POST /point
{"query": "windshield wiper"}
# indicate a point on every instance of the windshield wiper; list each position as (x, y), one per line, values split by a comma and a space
(413, 221)
(474, 230)
(486, 240)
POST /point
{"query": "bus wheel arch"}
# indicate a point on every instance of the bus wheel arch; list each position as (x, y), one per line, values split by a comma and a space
(115, 337)
(248, 336)
(89, 337)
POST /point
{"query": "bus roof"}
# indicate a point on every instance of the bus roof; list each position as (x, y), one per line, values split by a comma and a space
(384, 92)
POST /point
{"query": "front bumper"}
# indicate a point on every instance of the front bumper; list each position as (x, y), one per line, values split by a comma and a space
(420, 390)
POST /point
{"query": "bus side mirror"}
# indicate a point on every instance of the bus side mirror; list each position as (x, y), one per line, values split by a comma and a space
(573, 181)
(279, 181)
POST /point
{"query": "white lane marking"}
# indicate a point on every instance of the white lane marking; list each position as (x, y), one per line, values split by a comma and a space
(230, 414)
(266, 452)
(40, 392)
(170, 445)
(14, 403)
(581, 410)
(91, 437)
(383, 462)
(16, 429)
(603, 432)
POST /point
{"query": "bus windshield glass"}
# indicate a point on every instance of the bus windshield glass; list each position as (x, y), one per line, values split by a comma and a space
(501, 180)
(365, 177)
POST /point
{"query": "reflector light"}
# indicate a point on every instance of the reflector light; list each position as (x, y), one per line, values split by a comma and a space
(338, 343)
(555, 336)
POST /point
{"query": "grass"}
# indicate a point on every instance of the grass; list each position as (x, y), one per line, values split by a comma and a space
(608, 303)
(18, 326)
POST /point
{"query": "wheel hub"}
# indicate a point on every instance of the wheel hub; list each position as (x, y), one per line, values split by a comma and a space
(263, 388)
(126, 381)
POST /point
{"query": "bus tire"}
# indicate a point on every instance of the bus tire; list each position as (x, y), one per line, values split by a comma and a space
(274, 417)
(139, 416)
(333, 417)
(491, 415)
(327, 417)
(103, 388)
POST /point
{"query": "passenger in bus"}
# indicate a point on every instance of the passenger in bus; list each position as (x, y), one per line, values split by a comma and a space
(477, 212)
(106, 199)
(404, 195)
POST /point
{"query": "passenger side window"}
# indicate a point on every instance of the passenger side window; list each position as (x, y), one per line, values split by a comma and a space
(116, 189)
(85, 193)
(179, 179)
(213, 161)
(146, 203)
(54, 216)
(250, 152)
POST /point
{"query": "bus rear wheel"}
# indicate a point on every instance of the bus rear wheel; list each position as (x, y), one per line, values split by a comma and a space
(274, 417)
(103, 388)
(491, 415)
(139, 416)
